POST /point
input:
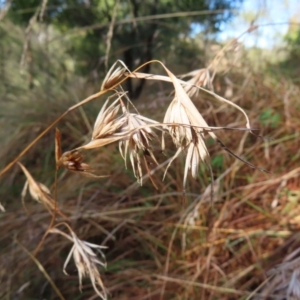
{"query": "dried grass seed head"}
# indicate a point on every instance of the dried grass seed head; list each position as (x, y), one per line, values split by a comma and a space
(73, 161)
(106, 125)
(199, 78)
(137, 141)
(107, 122)
(86, 261)
(186, 106)
(188, 130)
(37, 190)
(176, 114)
(196, 153)
(113, 77)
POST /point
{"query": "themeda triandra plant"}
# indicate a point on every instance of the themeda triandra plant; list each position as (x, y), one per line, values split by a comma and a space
(119, 122)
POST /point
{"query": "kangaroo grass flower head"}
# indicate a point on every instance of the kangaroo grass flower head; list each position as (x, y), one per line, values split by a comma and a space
(114, 76)
(137, 140)
(72, 160)
(38, 191)
(196, 153)
(178, 119)
(106, 125)
(198, 78)
(187, 129)
(132, 130)
(86, 261)
(107, 122)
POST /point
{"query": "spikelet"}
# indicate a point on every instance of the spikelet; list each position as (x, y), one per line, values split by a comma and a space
(38, 191)
(137, 140)
(86, 261)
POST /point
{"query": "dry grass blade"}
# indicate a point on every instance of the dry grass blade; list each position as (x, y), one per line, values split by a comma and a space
(86, 261)
(240, 158)
(202, 285)
(43, 9)
(2, 207)
(110, 33)
(43, 271)
(98, 143)
(58, 152)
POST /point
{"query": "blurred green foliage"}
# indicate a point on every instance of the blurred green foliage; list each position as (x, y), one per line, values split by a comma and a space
(289, 65)
(270, 118)
(86, 25)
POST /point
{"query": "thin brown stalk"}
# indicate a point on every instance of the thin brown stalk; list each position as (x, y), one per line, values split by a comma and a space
(143, 19)
(110, 33)
(38, 247)
(42, 269)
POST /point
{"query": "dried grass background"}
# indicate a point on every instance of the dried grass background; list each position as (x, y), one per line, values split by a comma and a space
(160, 244)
